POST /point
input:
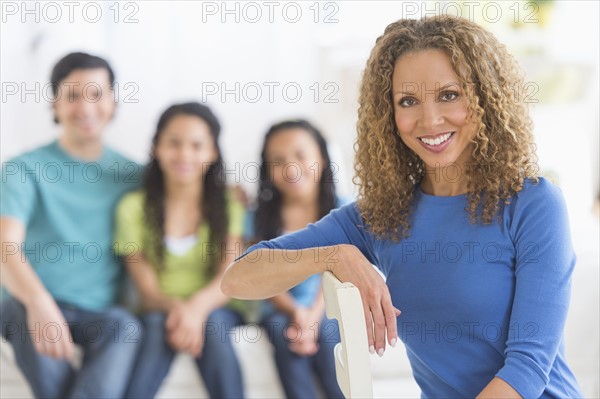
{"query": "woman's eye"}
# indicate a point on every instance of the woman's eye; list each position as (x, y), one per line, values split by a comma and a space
(449, 96)
(407, 102)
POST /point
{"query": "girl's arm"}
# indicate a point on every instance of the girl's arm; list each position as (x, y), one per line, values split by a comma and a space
(306, 319)
(212, 297)
(186, 322)
(146, 281)
(285, 303)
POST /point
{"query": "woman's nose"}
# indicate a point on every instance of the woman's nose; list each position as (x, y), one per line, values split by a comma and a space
(431, 115)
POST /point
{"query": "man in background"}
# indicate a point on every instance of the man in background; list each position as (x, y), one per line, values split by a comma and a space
(56, 225)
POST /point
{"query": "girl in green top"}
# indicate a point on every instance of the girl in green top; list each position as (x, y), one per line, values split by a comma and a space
(177, 235)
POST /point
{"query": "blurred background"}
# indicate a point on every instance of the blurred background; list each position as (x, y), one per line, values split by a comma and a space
(256, 63)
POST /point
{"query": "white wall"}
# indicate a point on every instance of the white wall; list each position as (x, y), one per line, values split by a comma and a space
(175, 49)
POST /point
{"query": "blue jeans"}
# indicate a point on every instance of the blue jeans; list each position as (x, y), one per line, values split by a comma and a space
(110, 341)
(297, 373)
(218, 363)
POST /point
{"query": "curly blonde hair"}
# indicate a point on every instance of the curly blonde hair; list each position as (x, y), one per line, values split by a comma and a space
(387, 171)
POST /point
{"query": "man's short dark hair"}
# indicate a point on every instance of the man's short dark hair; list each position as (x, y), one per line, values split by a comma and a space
(74, 61)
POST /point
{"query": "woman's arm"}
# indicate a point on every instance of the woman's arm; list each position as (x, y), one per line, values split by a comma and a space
(498, 389)
(543, 266)
(266, 272)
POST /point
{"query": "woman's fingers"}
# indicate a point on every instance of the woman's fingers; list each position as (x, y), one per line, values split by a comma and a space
(369, 324)
(379, 312)
(379, 323)
(390, 314)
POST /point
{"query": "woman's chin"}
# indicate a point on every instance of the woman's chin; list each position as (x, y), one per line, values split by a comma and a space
(182, 178)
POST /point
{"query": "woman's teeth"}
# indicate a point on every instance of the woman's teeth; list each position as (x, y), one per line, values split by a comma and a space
(438, 140)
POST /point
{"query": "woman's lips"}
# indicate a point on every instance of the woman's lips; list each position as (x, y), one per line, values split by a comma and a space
(437, 143)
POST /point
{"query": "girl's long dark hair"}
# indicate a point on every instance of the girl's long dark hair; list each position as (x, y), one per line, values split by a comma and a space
(268, 223)
(213, 204)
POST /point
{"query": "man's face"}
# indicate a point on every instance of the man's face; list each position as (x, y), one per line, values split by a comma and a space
(84, 104)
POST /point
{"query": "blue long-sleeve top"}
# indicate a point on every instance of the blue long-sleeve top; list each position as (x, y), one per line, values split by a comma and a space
(477, 300)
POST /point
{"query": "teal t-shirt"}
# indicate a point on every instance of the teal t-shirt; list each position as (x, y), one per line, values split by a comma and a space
(67, 206)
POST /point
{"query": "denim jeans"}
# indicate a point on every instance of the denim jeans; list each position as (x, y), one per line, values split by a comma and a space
(298, 373)
(218, 364)
(110, 340)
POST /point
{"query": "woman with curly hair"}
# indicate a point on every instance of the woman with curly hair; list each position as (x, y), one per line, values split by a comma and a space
(172, 233)
(474, 245)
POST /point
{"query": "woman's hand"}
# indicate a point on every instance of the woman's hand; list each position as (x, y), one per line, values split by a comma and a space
(350, 265)
(185, 328)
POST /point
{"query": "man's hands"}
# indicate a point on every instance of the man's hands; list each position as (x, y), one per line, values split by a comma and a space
(43, 312)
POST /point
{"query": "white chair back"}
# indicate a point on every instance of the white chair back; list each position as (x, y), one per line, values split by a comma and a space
(352, 362)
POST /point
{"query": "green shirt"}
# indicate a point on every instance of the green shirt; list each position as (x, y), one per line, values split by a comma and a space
(178, 276)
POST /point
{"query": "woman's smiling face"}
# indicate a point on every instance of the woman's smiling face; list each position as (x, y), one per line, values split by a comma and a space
(430, 109)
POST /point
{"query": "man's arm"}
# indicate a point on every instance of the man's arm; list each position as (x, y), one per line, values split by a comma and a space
(23, 283)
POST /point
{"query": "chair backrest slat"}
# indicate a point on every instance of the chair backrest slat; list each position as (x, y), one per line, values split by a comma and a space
(352, 363)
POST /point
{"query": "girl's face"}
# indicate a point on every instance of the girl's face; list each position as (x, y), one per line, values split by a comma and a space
(185, 149)
(430, 109)
(295, 163)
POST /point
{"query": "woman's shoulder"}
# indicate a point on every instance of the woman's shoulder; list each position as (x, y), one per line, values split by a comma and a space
(347, 212)
(541, 189)
(539, 200)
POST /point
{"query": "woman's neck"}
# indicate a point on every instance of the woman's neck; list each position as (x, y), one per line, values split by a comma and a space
(307, 201)
(450, 180)
(183, 193)
(439, 186)
(298, 212)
